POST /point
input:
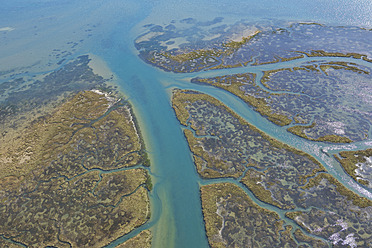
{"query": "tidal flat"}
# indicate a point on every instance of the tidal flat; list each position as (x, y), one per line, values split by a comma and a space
(25, 98)
(74, 174)
(240, 43)
(293, 182)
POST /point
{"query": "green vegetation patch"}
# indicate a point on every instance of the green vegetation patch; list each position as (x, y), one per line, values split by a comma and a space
(299, 131)
(235, 45)
(196, 54)
(322, 53)
(357, 200)
(194, 59)
(253, 180)
(334, 212)
(27, 98)
(221, 167)
(351, 162)
(276, 174)
(6, 243)
(66, 181)
(225, 145)
(179, 48)
(325, 96)
(234, 84)
(313, 242)
(142, 240)
(110, 190)
(341, 231)
(232, 219)
(331, 96)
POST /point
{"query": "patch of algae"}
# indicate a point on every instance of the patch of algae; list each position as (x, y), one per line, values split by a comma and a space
(142, 240)
(65, 182)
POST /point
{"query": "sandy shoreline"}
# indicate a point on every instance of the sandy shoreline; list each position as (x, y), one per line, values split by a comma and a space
(100, 67)
(6, 29)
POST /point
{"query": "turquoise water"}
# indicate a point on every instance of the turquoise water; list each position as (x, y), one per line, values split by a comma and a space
(108, 30)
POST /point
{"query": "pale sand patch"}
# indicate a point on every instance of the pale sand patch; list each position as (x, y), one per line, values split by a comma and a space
(5, 160)
(6, 29)
(148, 36)
(238, 37)
(177, 42)
(100, 67)
(212, 37)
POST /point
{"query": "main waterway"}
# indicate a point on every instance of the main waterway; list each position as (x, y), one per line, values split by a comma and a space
(176, 219)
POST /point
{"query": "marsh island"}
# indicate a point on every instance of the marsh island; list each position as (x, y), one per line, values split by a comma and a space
(225, 146)
(73, 174)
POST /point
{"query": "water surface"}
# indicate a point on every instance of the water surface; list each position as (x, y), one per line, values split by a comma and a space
(36, 35)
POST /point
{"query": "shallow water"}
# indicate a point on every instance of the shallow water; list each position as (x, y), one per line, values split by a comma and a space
(42, 36)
